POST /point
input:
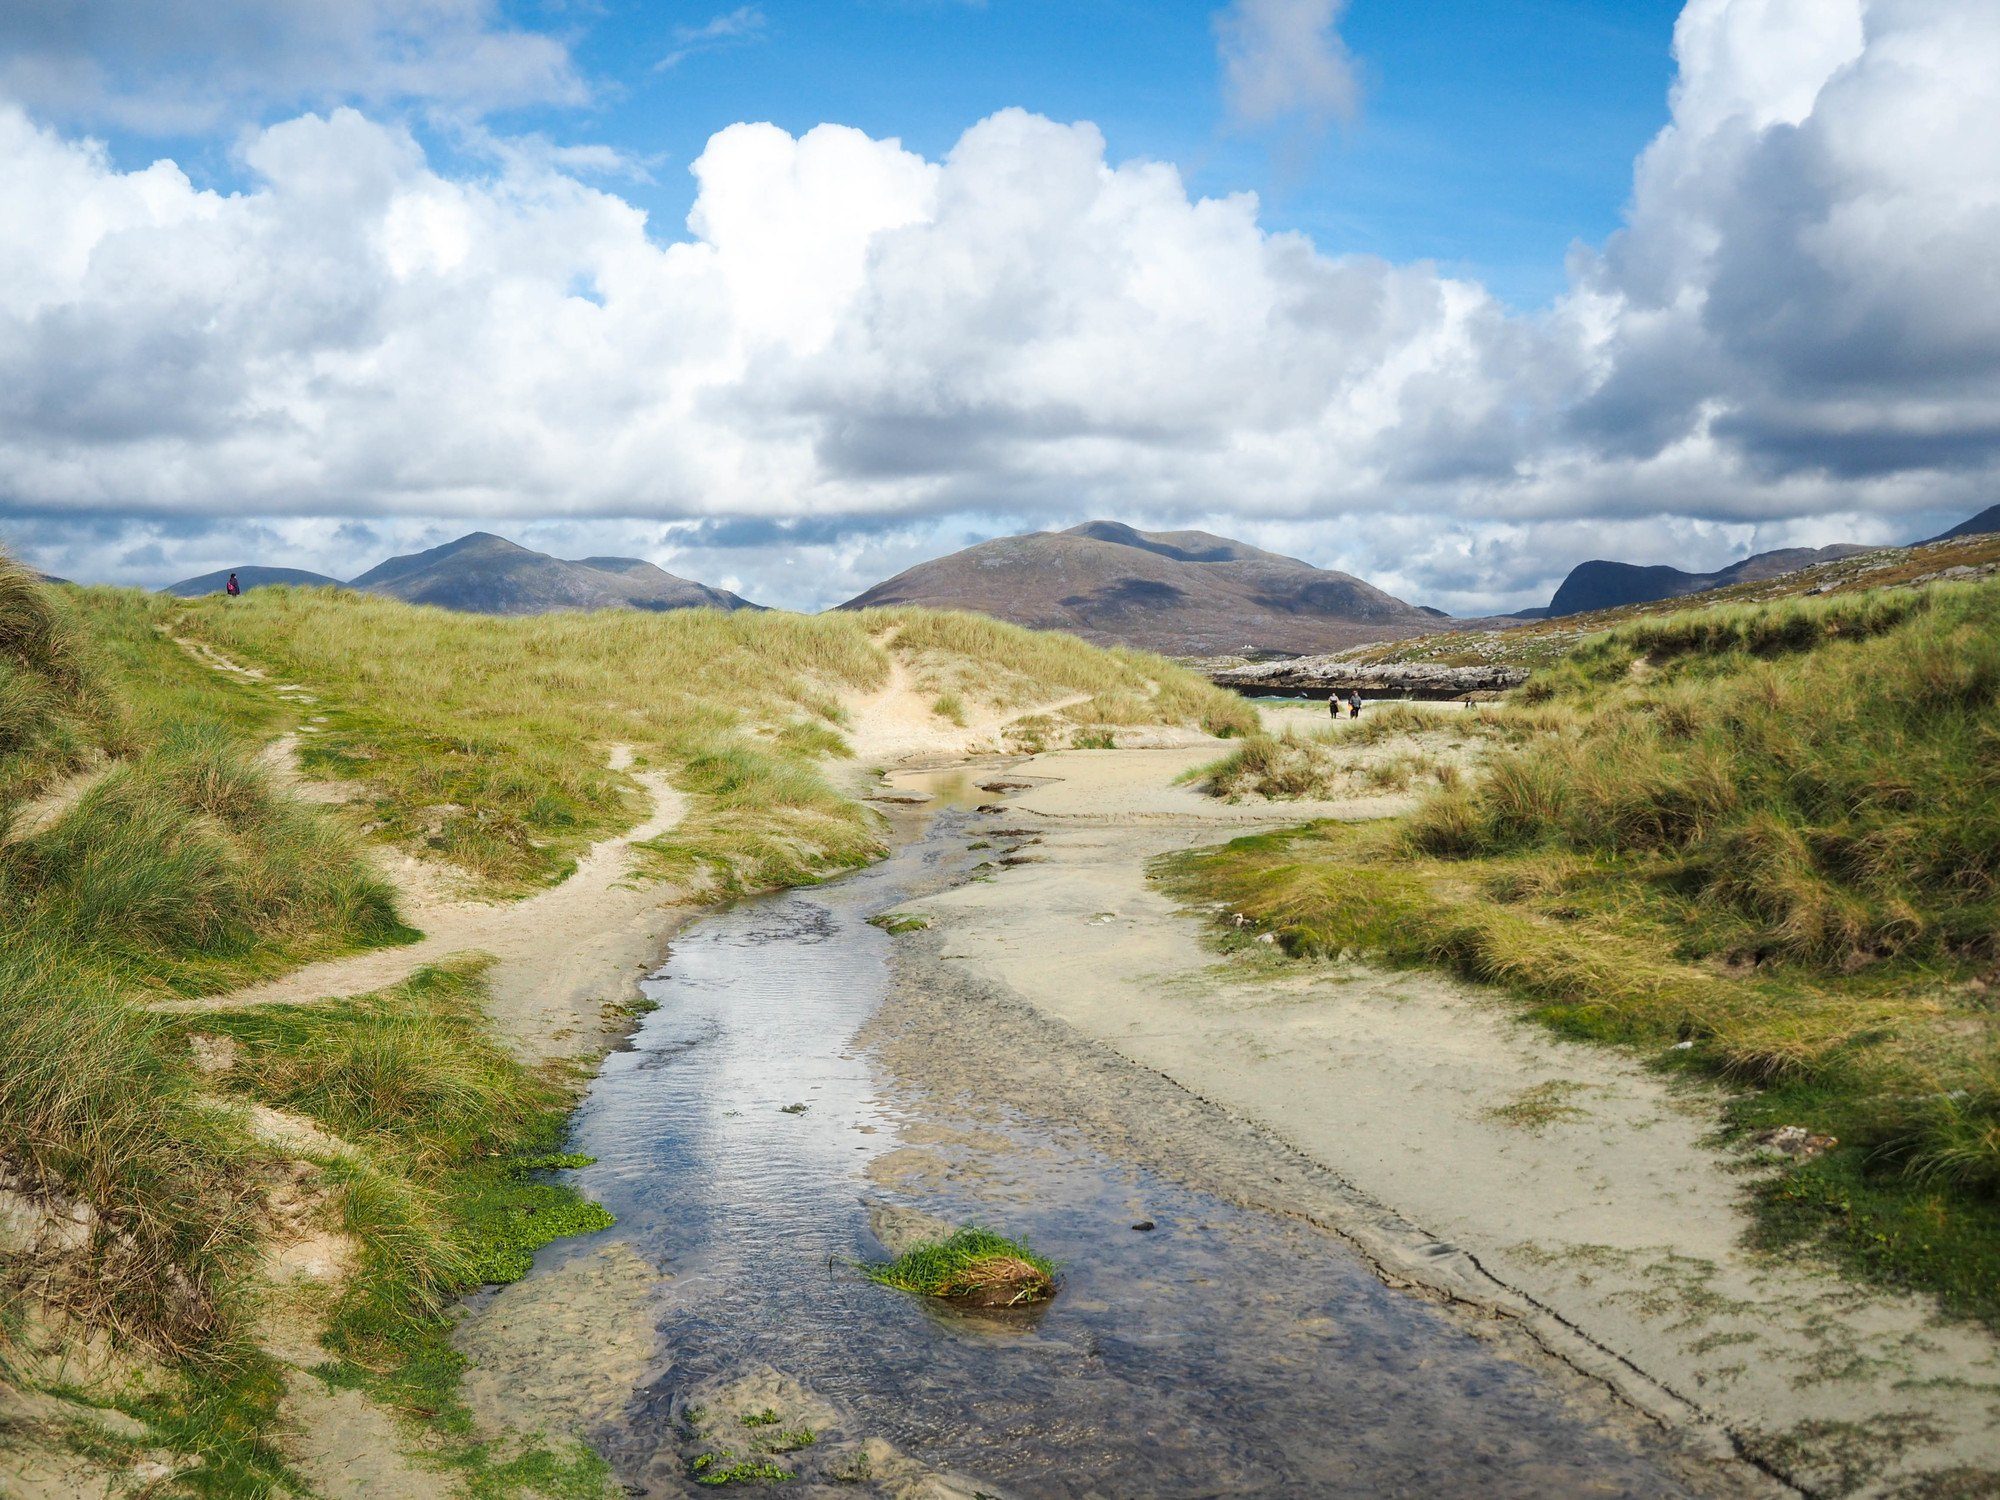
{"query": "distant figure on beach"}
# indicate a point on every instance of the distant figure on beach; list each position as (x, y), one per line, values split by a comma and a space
(232, 588)
(1354, 704)
(1333, 704)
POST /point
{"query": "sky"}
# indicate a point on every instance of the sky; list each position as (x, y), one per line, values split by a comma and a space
(788, 296)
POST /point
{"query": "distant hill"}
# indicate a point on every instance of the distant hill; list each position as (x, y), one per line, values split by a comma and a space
(486, 574)
(1987, 520)
(249, 577)
(1611, 585)
(1184, 593)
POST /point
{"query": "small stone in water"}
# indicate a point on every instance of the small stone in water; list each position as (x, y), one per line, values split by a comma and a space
(793, 1109)
(1143, 1226)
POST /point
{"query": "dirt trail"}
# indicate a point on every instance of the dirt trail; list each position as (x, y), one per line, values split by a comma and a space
(558, 955)
(38, 813)
(1564, 1184)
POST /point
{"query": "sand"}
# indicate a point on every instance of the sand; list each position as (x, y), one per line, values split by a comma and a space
(559, 956)
(1613, 1231)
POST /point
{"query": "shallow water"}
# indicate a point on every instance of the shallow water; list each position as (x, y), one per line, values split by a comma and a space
(1225, 1352)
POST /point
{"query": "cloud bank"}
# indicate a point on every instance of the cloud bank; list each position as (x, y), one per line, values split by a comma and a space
(1797, 332)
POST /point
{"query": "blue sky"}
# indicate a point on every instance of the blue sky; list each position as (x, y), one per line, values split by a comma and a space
(1490, 135)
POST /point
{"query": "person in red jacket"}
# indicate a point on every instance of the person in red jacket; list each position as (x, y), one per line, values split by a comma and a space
(232, 588)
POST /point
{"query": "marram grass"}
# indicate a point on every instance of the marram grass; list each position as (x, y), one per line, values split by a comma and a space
(973, 1265)
(1769, 833)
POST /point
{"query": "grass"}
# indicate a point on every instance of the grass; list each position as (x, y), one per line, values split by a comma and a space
(483, 741)
(55, 708)
(1772, 832)
(179, 870)
(1541, 1105)
(1542, 643)
(973, 1265)
(1396, 748)
(444, 1186)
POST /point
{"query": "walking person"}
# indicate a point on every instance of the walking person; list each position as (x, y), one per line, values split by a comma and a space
(1354, 704)
(232, 588)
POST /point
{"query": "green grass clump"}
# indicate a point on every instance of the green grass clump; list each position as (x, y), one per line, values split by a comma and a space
(55, 708)
(974, 1265)
(723, 1468)
(1771, 833)
(1814, 783)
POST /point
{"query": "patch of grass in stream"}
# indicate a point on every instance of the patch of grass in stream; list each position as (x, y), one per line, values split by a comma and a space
(974, 1265)
(439, 1185)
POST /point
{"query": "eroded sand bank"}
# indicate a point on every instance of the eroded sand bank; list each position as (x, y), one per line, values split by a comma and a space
(1613, 1232)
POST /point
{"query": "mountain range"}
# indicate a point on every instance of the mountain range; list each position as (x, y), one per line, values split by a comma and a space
(1184, 593)
(485, 574)
(1607, 585)
(1600, 584)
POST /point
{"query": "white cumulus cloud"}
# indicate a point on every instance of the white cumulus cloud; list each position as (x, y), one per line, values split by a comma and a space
(852, 353)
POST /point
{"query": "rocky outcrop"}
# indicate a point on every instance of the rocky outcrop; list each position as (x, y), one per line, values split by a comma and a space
(1318, 676)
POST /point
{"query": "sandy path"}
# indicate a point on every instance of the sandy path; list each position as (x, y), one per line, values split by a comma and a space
(38, 813)
(559, 956)
(1614, 1232)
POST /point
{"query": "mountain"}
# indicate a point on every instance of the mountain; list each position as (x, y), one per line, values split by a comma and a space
(249, 577)
(1987, 520)
(1608, 585)
(1185, 593)
(486, 574)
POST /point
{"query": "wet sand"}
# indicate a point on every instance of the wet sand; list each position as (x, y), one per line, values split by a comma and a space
(1612, 1236)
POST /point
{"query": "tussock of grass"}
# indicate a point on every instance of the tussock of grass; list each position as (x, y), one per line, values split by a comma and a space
(54, 707)
(1324, 764)
(1773, 833)
(974, 1265)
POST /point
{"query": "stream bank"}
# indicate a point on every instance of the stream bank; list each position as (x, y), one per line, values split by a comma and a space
(720, 1331)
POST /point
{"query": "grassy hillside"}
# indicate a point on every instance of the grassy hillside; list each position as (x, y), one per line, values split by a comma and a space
(1768, 831)
(484, 740)
(1540, 643)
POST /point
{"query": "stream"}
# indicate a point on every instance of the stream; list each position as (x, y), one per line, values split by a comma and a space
(1222, 1352)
